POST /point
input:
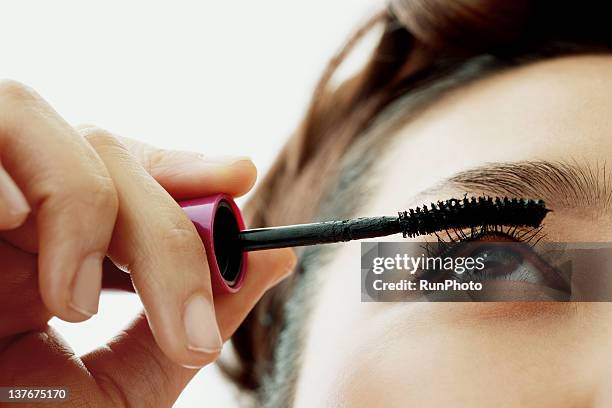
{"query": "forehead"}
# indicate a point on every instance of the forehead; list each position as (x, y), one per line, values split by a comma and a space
(557, 110)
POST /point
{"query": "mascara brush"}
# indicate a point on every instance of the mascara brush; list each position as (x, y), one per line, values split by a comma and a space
(448, 214)
(220, 225)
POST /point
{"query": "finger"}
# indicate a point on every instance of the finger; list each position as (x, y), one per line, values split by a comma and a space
(69, 190)
(189, 174)
(134, 352)
(182, 174)
(270, 267)
(266, 269)
(160, 247)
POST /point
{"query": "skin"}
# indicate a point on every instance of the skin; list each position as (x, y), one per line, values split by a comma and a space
(474, 354)
(69, 197)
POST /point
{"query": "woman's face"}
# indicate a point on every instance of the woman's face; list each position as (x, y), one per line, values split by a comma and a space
(484, 354)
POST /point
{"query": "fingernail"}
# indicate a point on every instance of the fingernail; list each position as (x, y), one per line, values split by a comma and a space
(86, 286)
(227, 160)
(11, 195)
(201, 325)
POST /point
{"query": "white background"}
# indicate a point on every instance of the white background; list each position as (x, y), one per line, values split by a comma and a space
(214, 77)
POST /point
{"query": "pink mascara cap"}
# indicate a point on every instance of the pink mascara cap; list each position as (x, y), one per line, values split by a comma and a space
(218, 220)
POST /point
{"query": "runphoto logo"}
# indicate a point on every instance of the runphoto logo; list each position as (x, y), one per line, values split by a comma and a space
(412, 264)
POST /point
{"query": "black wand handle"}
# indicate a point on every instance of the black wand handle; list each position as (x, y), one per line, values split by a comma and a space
(317, 233)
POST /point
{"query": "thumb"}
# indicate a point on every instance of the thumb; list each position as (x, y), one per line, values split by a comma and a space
(136, 372)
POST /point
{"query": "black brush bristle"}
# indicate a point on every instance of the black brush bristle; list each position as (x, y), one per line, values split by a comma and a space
(467, 213)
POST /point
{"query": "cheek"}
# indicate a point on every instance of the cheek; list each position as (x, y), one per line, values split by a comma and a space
(446, 354)
(493, 361)
(335, 336)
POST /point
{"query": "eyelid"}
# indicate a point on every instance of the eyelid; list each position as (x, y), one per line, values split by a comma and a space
(552, 277)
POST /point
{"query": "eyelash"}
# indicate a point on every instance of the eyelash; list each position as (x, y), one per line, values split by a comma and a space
(536, 268)
(449, 241)
(527, 235)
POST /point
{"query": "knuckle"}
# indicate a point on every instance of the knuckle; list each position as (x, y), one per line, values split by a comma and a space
(102, 193)
(15, 92)
(156, 159)
(112, 390)
(115, 390)
(96, 193)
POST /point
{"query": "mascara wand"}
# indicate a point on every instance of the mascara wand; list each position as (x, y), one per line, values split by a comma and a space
(447, 214)
(219, 223)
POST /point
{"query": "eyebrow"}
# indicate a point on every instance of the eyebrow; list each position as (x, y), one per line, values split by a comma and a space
(564, 184)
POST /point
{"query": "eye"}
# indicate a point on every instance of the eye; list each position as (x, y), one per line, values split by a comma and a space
(499, 263)
(513, 261)
(503, 258)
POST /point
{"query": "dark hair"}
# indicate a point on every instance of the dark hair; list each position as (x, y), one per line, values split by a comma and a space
(423, 43)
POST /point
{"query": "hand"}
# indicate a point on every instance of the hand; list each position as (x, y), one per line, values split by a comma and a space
(68, 198)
